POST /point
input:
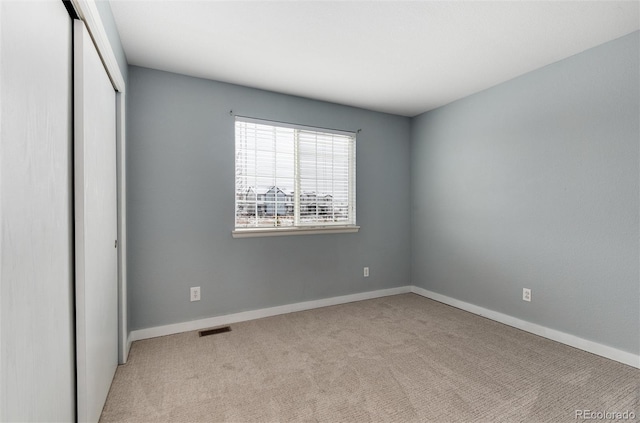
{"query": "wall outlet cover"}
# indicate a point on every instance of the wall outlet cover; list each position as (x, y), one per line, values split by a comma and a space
(195, 293)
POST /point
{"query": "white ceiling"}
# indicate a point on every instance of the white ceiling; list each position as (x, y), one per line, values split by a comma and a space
(398, 57)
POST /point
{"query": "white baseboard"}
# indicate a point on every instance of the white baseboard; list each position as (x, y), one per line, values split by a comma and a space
(137, 335)
(555, 335)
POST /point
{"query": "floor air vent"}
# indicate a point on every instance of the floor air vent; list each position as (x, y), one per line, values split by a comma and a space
(215, 331)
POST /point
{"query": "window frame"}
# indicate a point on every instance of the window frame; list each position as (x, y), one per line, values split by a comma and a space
(312, 228)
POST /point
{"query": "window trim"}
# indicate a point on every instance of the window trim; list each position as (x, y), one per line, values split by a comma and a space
(304, 230)
(317, 229)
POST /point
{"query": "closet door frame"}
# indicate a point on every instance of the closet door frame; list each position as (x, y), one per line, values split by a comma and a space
(87, 11)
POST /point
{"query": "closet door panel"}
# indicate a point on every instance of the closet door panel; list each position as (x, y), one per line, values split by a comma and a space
(96, 227)
(37, 381)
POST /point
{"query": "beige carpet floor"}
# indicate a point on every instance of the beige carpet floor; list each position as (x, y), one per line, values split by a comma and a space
(403, 358)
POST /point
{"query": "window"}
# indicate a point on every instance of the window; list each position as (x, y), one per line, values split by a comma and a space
(293, 178)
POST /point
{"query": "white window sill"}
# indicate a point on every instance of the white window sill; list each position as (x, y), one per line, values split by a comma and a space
(312, 230)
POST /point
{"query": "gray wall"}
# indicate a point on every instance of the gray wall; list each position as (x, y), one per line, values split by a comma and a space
(534, 183)
(181, 204)
(36, 314)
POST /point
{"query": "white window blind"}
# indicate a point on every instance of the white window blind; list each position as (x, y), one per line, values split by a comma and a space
(290, 176)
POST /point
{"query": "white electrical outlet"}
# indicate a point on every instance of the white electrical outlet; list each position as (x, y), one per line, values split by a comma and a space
(366, 272)
(526, 294)
(195, 293)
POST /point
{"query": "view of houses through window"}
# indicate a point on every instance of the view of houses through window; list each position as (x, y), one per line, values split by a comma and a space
(288, 175)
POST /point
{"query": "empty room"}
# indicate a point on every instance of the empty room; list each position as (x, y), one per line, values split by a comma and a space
(333, 211)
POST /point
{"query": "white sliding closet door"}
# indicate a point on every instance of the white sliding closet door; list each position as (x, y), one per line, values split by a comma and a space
(37, 377)
(95, 227)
